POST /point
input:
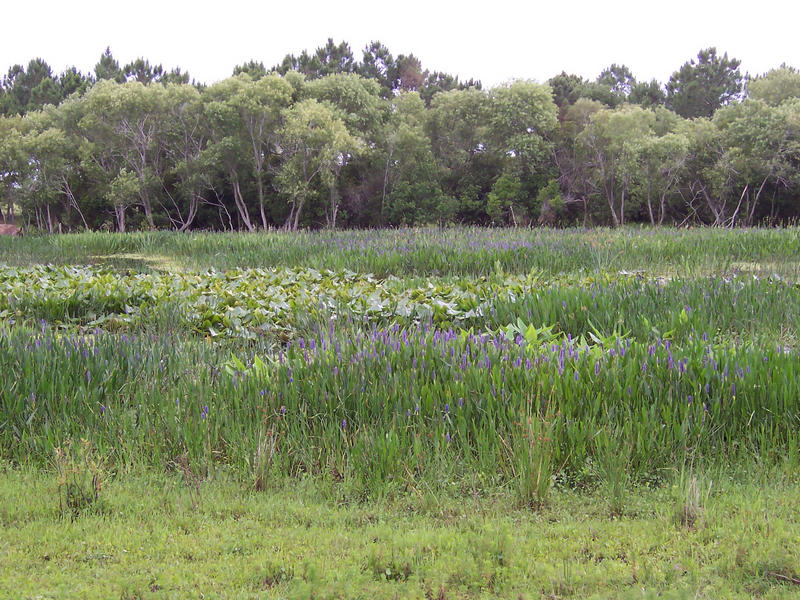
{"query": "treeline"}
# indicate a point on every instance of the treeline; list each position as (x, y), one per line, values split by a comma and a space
(325, 140)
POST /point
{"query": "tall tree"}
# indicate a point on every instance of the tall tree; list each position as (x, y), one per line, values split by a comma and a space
(410, 190)
(437, 81)
(699, 88)
(619, 79)
(459, 127)
(73, 81)
(523, 119)
(647, 94)
(13, 162)
(410, 76)
(260, 106)
(125, 124)
(572, 158)
(314, 143)
(358, 103)
(708, 183)
(142, 71)
(566, 89)
(657, 163)
(378, 64)
(184, 141)
(228, 146)
(108, 68)
(335, 58)
(608, 142)
(29, 89)
(326, 60)
(255, 70)
(761, 144)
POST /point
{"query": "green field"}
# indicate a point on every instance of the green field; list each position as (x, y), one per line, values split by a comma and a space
(441, 413)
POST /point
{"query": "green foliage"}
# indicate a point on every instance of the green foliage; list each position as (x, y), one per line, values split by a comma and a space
(776, 86)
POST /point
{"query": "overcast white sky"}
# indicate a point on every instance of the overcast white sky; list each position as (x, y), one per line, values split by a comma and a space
(493, 41)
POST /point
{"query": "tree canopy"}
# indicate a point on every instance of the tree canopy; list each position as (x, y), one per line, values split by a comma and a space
(329, 139)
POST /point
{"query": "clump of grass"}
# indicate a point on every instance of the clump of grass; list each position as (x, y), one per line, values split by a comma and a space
(80, 477)
(191, 479)
(691, 498)
(533, 458)
(263, 457)
(612, 463)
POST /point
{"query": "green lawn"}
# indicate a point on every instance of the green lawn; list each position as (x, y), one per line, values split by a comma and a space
(148, 536)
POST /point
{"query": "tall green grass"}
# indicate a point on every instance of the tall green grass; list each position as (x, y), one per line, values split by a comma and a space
(384, 407)
(426, 252)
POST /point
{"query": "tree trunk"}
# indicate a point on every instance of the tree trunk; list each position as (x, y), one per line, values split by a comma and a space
(260, 185)
(119, 211)
(244, 214)
(194, 201)
(745, 191)
(385, 182)
(334, 206)
(297, 214)
(49, 219)
(74, 202)
(611, 201)
(10, 211)
(148, 208)
(290, 219)
(752, 212)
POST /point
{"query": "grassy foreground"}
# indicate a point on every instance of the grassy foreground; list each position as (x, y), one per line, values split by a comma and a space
(152, 536)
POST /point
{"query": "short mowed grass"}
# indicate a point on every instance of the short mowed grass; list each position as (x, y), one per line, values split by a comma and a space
(151, 537)
(424, 413)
